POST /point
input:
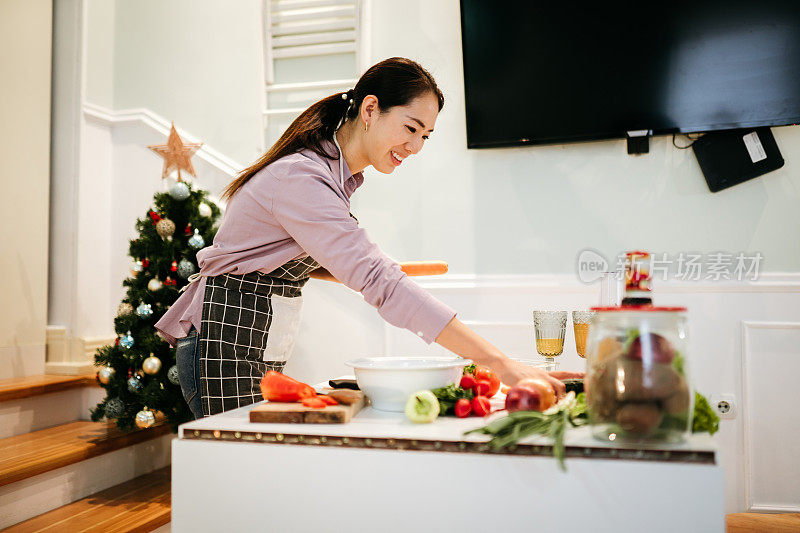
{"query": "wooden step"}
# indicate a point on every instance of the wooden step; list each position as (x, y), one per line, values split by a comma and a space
(141, 504)
(40, 451)
(762, 523)
(16, 388)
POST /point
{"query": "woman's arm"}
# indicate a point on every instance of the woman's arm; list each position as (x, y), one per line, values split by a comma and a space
(461, 340)
(323, 274)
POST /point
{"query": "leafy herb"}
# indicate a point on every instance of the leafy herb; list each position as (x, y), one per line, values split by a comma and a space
(705, 419)
(448, 396)
(470, 369)
(678, 362)
(631, 335)
(552, 423)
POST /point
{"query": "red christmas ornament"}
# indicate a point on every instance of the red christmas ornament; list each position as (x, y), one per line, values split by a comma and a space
(188, 230)
(145, 262)
(155, 216)
(116, 342)
(174, 266)
(170, 281)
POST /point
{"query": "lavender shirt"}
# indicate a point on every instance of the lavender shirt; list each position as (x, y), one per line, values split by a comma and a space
(295, 207)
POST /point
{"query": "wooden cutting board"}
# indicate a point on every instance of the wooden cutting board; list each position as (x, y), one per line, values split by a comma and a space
(297, 413)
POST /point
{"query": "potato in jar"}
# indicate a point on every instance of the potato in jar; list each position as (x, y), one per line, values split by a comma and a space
(640, 419)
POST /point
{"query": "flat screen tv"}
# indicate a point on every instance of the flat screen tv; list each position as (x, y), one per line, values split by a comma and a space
(553, 72)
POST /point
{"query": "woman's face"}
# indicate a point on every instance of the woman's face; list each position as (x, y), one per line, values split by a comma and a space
(399, 132)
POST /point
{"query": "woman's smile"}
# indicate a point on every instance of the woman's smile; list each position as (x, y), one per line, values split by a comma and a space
(396, 158)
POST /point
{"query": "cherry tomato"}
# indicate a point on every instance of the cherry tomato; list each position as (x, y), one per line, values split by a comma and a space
(467, 382)
(463, 408)
(482, 387)
(482, 372)
(481, 406)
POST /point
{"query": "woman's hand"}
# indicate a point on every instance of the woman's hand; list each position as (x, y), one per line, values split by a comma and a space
(459, 339)
(511, 372)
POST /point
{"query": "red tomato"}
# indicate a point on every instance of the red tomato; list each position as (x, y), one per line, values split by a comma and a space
(482, 372)
(481, 406)
(463, 408)
(467, 382)
(482, 387)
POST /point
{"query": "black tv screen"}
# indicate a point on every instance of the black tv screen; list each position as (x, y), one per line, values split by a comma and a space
(552, 72)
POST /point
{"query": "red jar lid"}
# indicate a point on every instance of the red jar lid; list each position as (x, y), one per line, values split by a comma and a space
(648, 308)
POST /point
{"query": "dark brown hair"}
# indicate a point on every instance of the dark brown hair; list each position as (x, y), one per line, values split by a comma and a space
(394, 82)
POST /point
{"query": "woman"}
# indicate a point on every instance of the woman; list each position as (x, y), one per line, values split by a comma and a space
(288, 219)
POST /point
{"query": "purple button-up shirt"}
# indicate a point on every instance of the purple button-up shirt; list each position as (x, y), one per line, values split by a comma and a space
(299, 206)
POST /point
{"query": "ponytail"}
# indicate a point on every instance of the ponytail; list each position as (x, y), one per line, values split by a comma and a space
(394, 82)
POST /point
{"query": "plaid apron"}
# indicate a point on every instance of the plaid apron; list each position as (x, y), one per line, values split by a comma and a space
(249, 326)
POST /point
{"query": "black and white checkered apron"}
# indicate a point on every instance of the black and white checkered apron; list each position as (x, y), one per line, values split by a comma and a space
(249, 326)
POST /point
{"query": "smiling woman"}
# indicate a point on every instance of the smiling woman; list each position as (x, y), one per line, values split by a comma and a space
(288, 219)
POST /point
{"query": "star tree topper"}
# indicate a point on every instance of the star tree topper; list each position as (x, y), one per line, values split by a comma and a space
(177, 154)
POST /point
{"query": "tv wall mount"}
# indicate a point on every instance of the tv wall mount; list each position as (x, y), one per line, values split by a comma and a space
(638, 141)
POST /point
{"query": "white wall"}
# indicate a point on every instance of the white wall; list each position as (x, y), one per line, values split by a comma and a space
(25, 29)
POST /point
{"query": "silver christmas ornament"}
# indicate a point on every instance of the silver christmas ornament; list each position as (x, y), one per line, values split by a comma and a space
(172, 375)
(124, 309)
(145, 419)
(197, 241)
(154, 284)
(144, 310)
(105, 374)
(114, 408)
(136, 267)
(134, 384)
(179, 191)
(185, 268)
(151, 365)
(126, 341)
(165, 228)
(204, 210)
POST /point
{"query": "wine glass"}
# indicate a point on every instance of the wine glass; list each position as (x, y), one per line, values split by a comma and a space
(580, 323)
(549, 327)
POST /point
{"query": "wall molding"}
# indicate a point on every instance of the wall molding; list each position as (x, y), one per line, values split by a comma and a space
(67, 355)
(747, 426)
(161, 125)
(568, 283)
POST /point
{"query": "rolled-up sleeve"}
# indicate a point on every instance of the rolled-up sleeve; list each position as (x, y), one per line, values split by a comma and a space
(313, 210)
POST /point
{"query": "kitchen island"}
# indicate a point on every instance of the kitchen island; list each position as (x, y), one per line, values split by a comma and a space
(380, 472)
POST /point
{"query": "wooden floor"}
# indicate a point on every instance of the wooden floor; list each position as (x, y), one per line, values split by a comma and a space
(763, 523)
(141, 504)
(40, 451)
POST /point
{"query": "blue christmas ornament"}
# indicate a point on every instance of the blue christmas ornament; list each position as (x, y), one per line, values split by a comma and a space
(144, 310)
(197, 241)
(114, 408)
(126, 341)
(179, 191)
(172, 375)
(185, 268)
(134, 384)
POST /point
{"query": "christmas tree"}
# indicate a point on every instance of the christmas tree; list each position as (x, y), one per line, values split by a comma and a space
(138, 371)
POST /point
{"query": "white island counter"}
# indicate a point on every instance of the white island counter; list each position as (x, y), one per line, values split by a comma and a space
(380, 472)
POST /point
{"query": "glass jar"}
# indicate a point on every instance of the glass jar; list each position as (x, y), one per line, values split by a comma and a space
(637, 375)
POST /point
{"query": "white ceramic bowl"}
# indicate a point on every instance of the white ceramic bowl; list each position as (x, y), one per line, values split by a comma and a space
(389, 381)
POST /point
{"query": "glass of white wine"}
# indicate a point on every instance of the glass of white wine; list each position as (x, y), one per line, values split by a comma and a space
(549, 328)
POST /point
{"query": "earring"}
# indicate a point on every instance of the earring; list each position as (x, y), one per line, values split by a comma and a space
(365, 127)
